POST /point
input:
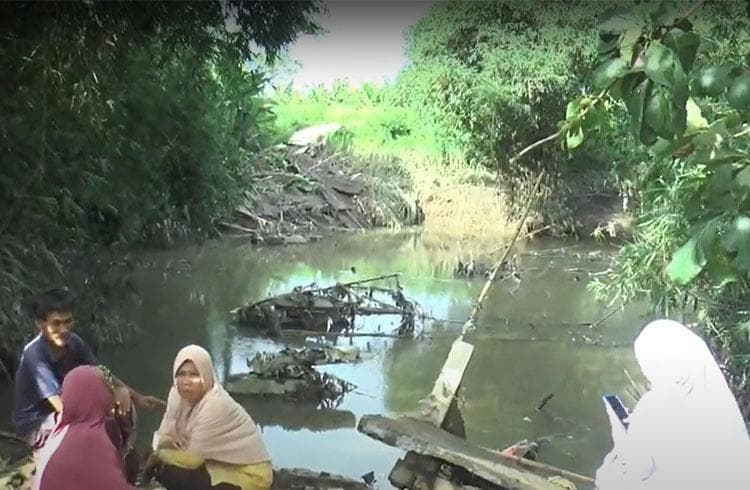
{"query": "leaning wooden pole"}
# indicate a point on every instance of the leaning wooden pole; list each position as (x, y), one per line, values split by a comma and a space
(437, 404)
(491, 279)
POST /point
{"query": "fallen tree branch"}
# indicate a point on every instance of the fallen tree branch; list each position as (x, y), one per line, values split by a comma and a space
(536, 144)
(544, 401)
(602, 319)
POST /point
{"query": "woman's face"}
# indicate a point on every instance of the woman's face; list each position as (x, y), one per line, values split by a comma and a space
(189, 384)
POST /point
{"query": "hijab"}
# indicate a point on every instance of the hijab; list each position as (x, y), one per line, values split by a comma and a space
(79, 455)
(215, 428)
(687, 431)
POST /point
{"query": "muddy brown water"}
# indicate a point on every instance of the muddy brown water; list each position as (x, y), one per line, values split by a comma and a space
(531, 342)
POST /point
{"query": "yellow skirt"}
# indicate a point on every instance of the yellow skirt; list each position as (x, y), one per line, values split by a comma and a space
(249, 477)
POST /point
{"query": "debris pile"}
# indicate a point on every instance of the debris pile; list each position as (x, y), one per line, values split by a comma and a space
(308, 190)
(290, 374)
(329, 309)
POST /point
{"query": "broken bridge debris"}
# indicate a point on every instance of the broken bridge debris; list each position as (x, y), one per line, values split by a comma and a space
(290, 374)
(330, 309)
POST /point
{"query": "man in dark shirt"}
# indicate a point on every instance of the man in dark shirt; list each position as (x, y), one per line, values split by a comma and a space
(45, 362)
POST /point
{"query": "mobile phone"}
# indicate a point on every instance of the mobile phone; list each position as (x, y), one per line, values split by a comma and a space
(617, 406)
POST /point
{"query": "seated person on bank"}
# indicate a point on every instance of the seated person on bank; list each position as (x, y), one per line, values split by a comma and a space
(45, 362)
(206, 439)
(82, 453)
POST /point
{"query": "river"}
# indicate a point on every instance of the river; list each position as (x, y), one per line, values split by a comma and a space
(532, 340)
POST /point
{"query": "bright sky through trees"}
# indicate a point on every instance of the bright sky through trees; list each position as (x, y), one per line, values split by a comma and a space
(364, 42)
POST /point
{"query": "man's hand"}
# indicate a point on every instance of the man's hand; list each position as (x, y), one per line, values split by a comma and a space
(148, 402)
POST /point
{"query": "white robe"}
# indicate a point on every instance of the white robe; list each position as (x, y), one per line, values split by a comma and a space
(687, 431)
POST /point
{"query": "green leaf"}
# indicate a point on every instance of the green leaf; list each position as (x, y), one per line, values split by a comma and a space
(738, 94)
(626, 85)
(685, 44)
(690, 259)
(665, 14)
(608, 72)
(680, 95)
(687, 262)
(737, 235)
(573, 109)
(694, 120)
(722, 180)
(596, 119)
(635, 102)
(660, 64)
(711, 81)
(658, 112)
(743, 177)
(574, 136)
(628, 41)
(737, 240)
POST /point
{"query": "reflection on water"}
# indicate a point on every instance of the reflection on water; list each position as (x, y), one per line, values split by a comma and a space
(532, 341)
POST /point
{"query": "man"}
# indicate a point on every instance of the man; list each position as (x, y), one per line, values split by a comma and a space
(45, 361)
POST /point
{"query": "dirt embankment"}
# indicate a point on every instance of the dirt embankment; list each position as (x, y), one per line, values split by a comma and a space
(307, 191)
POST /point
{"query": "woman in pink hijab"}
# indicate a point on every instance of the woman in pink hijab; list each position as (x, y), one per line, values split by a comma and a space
(80, 454)
(206, 439)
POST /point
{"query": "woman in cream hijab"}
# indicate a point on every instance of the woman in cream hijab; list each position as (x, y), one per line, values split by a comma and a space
(686, 432)
(206, 439)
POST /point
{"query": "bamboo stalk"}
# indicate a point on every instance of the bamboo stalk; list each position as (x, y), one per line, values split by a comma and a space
(491, 279)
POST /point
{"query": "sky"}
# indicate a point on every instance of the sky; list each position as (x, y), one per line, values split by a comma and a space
(364, 43)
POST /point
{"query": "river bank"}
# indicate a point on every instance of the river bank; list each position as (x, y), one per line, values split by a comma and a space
(308, 189)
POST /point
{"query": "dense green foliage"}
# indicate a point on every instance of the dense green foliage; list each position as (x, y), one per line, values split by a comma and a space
(682, 79)
(484, 80)
(124, 122)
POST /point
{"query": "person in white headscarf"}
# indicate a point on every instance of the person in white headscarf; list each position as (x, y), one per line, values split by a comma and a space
(687, 431)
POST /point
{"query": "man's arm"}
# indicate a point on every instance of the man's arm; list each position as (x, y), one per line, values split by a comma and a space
(124, 394)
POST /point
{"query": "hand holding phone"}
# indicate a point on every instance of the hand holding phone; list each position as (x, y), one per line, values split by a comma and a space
(618, 415)
(618, 408)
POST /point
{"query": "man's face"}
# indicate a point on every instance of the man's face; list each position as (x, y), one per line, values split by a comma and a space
(56, 328)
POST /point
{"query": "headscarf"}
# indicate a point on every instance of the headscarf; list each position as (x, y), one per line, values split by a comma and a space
(79, 455)
(687, 431)
(217, 427)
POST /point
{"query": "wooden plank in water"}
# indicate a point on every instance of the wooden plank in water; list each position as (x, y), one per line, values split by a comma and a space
(424, 438)
(439, 400)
